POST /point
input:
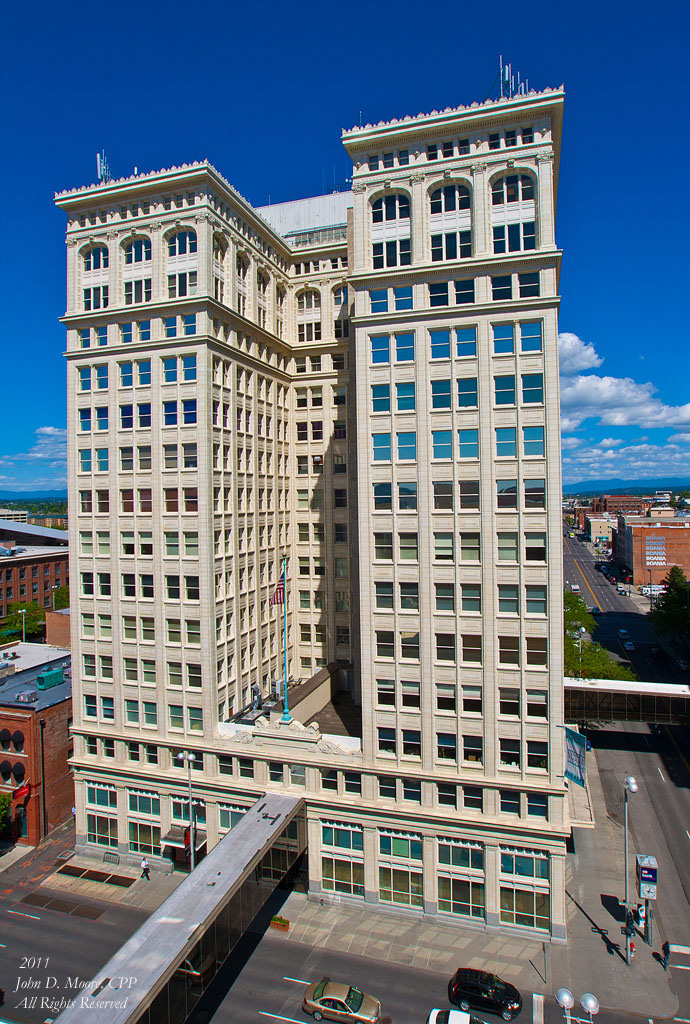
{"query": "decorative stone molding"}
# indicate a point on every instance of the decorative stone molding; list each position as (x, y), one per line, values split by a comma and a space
(416, 179)
(481, 165)
(546, 157)
(359, 186)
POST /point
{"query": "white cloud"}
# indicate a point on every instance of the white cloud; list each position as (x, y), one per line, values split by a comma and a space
(42, 466)
(683, 438)
(610, 442)
(633, 460)
(612, 401)
(571, 442)
(575, 355)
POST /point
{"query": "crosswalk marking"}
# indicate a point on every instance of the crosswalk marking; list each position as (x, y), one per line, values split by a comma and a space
(537, 1008)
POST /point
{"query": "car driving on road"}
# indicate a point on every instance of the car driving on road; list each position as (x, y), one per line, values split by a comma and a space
(337, 1001)
(483, 991)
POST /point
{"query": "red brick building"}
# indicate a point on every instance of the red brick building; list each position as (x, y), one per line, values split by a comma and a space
(621, 503)
(29, 574)
(648, 548)
(58, 628)
(35, 740)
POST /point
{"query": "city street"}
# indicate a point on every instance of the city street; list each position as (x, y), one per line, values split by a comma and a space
(618, 612)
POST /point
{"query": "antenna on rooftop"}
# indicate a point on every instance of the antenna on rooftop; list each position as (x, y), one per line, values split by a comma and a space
(102, 168)
(507, 85)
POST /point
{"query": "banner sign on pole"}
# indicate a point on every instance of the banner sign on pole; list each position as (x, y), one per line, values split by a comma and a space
(574, 756)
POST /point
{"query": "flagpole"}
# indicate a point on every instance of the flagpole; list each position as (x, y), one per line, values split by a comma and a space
(287, 717)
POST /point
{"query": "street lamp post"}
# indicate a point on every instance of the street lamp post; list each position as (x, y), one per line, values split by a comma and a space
(183, 756)
(54, 588)
(630, 786)
(22, 612)
(651, 604)
(588, 1002)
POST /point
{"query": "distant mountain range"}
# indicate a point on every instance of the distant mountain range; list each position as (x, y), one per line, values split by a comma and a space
(30, 495)
(614, 485)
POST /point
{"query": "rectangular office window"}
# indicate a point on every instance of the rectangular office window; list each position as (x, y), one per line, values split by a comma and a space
(506, 442)
(442, 444)
(536, 600)
(535, 493)
(440, 344)
(381, 447)
(533, 388)
(471, 596)
(506, 493)
(407, 496)
(469, 495)
(529, 285)
(531, 336)
(403, 297)
(466, 338)
(508, 599)
(438, 293)
(383, 546)
(501, 287)
(409, 547)
(382, 497)
(380, 398)
(469, 444)
(504, 390)
(535, 547)
(405, 396)
(533, 441)
(443, 495)
(380, 348)
(464, 291)
(379, 300)
(404, 347)
(407, 446)
(467, 393)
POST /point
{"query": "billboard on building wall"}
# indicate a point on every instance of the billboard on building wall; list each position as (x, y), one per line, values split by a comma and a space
(574, 756)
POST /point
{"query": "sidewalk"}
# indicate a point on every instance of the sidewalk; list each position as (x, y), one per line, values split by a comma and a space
(589, 962)
(143, 894)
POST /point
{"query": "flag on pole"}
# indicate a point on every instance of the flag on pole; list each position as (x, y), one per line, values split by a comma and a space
(279, 592)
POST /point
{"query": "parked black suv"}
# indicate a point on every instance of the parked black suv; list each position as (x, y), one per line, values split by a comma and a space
(483, 991)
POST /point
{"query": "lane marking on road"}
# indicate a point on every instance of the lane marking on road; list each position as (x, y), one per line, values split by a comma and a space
(682, 1020)
(687, 833)
(277, 1016)
(681, 967)
(17, 912)
(594, 598)
(537, 1008)
(660, 773)
(300, 981)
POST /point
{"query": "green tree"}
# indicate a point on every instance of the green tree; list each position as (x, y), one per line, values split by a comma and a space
(671, 616)
(35, 618)
(583, 658)
(5, 803)
(575, 613)
(61, 597)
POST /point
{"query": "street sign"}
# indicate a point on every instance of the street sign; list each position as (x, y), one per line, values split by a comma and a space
(647, 872)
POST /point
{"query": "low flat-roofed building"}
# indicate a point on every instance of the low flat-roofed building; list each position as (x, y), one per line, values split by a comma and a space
(35, 740)
(649, 547)
(31, 573)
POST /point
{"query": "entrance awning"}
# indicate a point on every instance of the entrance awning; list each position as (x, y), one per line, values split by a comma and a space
(177, 837)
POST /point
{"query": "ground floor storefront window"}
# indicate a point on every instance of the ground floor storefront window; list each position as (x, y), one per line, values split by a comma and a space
(144, 838)
(100, 830)
(342, 876)
(462, 896)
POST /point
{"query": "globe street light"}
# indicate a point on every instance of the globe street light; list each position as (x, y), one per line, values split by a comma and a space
(629, 786)
(183, 756)
(588, 1002)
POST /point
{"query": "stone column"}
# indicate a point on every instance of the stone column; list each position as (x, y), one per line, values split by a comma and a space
(371, 858)
(492, 867)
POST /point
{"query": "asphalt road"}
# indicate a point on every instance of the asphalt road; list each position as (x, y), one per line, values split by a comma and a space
(618, 612)
(659, 818)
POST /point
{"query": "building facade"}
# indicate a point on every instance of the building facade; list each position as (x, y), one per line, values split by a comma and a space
(35, 739)
(365, 384)
(31, 575)
(648, 548)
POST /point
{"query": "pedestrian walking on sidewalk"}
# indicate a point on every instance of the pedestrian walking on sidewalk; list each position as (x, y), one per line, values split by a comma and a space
(666, 951)
(145, 873)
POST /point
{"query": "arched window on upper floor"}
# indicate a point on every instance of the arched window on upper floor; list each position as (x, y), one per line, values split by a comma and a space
(308, 300)
(241, 267)
(450, 198)
(182, 243)
(219, 248)
(309, 316)
(393, 207)
(96, 258)
(513, 214)
(513, 188)
(138, 251)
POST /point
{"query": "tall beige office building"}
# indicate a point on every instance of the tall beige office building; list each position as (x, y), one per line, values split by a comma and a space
(367, 384)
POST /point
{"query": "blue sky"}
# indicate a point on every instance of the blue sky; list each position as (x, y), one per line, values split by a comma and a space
(263, 92)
